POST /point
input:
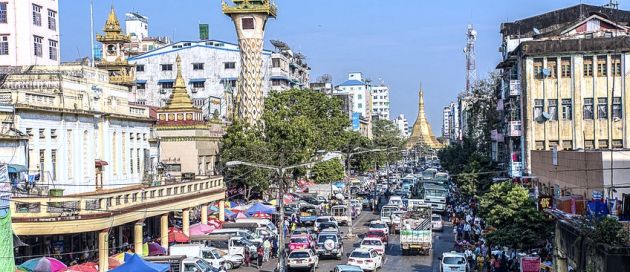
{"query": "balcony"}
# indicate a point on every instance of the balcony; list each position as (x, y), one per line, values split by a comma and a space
(515, 129)
(515, 87)
(102, 209)
(123, 80)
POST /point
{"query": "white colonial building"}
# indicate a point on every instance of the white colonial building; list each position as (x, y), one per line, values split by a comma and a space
(288, 69)
(83, 133)
(210, 67)
(403, 125)
(380, 101)
(29, 32)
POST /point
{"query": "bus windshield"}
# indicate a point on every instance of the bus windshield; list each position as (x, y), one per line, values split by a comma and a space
(435, 193)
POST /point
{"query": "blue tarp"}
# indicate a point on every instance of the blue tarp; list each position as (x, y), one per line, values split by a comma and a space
(259, 207)
(133, 263)
(16, 168)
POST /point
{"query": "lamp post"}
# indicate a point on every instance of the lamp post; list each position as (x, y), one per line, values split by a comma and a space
(281, 187)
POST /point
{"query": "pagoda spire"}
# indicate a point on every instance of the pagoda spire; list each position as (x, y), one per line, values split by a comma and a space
(179, 98)
(112, 24)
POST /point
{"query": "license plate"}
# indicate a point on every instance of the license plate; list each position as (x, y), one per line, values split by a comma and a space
(299, 261)
(360, 262)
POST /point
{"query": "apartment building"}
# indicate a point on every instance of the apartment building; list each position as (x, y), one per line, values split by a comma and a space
(380, 102)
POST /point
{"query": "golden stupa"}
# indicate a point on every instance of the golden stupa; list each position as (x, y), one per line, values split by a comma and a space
(421, 133)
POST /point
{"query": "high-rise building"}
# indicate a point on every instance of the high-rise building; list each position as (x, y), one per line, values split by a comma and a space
(250, 18)
(360, 90)
(403, 125)
(380, 101)
(29, 32)
(289, 69)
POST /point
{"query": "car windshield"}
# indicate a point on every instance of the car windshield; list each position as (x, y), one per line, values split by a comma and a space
(436, 218)
(327, 225)
(324, 237)
(360, 254)
(299, 240)
(371, 243)
(377, 226)
(375, 233)
(453, 260)
(300, 254)
(321, 220)
(204, 266)
(300, 231)
(435, 192)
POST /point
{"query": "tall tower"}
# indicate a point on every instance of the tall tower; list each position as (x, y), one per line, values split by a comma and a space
(250, 18)
(469, 50)
(114, 58)
(422, 134)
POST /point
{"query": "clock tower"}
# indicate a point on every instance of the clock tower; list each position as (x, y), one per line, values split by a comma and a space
(114, 58)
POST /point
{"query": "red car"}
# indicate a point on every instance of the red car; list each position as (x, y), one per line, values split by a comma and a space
(377, 234)
(303, 241)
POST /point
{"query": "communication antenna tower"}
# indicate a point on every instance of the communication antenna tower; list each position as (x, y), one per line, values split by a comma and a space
(469, 51)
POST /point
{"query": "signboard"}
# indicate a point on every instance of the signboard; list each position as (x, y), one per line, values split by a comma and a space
(530, 264)
(204, 32)
(355, 120)
(545, 202)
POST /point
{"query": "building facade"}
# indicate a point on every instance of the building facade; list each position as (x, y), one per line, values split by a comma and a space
(360, 90)
(137, 28)
(288, 69)
(446, 122)
(564, 83)
(211, 68)
(380, 101)
(29, 32)
(403, 125)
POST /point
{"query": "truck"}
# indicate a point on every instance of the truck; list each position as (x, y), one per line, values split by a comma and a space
(209, 254)
(386, 213)
(416, 234)
(435, 195)
(182, 263)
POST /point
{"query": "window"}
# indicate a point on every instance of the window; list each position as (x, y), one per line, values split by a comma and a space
(42, 158)
(616, 65)
(139, 68)
(275, 62)
(601, 66)
(539, 145)
(229, 65)
(567, 144)
(360, 106)
(167, 67)
(37, 46)
(617, 143)
(538, 108)
(616, 108)
(247, 23)
(198, 84)
(4, 45)
(588, 109)
(552, 66)
(567, 111)
(566, 67)
(3, 13)
(42, 133)
(52, 20)
(552, 108)
(359, 96)
(141, 86)
(608, 34)
(37, 15)
(52, 49)
(197, 66)
(538, 68)
(552, 144)
(602, 108)
(53, 133)
(588, 66)
(589, 144)
(602, 143)
(53, 159)
(167, 85)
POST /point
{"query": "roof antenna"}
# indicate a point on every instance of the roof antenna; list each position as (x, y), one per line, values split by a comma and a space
(613, 4)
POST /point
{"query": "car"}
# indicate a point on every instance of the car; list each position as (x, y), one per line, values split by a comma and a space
(366, 258)
(307, 231)
(322, 219)
(329, 244)
(373, 243)
(378, 226)
(377, 234)
(347, 268)
(453, 261)
(304, 241)
(303, 259)
(436, 222)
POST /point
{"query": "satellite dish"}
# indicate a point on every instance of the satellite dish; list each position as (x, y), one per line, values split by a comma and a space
(536, 31)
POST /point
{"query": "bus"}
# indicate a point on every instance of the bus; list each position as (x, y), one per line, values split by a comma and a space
(435, 195)
(429, 173)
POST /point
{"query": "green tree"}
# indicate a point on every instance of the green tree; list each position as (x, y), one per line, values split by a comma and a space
(518, 224)
(609, 231)
(386, 135)
(328, 171)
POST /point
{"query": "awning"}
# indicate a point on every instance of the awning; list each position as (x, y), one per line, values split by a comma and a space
(228, 78)
(100, 163)
(197, 80)
(165, 81)
(279, 78)
(16, 168)
(141, 81)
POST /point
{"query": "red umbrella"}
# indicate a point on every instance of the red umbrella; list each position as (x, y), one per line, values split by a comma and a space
(177, 236)
(84, 267)
(262, 215)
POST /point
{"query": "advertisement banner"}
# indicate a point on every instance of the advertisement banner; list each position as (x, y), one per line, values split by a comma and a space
(530, 264)
(545, 202)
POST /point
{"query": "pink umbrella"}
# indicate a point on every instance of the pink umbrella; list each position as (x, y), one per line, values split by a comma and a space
(241, 215)
(200, 229)
(43, 264)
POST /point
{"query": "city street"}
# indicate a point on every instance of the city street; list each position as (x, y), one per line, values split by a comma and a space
(394, 260)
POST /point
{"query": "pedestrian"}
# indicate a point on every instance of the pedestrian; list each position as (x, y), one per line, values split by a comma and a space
(267, 248)
(274, 247)
(455, 233)
(259, 258)
(466, 230)
(246, 258)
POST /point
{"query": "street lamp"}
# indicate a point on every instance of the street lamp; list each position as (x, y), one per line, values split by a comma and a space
(281, 171)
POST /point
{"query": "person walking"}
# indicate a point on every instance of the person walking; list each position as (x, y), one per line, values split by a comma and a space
(260, 255)
(246, 258)
(267, 249)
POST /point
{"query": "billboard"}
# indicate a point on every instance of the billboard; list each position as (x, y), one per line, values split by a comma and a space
(355, 120)
(204, 32)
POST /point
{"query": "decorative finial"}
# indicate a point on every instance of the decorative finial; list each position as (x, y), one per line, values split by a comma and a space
(179, 80)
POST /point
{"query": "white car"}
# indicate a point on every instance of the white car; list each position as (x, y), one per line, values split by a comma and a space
(373, 243)
(378, 226)
(366, 258)
(323, 219)
(436, 222)
(453, 262)
(303, 258)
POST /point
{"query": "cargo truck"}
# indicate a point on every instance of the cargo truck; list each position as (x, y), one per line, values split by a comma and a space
(416, 234)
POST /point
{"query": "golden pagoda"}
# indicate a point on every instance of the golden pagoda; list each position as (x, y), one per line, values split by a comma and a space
(114, 58)
(421, 133)
(179, 108)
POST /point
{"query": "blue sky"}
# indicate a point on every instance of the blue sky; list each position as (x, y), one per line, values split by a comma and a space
(403, 42)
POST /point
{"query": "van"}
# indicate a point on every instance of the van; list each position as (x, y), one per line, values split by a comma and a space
(395, 201)
(227, 244)
(199, 251)
(238, 233)
(261, 223)
(181, 263)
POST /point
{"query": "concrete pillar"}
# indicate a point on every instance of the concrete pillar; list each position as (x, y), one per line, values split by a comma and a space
(137, 237)
(204, 214)
(103, 250)
(164, 231)
(221, 210)
(186, 221)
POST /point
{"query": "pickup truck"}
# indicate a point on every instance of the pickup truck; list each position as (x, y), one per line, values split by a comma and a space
(340, 213)
(181, 263)
(416, 234)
